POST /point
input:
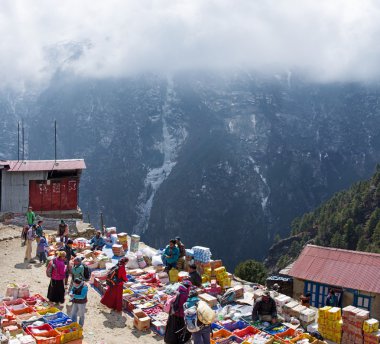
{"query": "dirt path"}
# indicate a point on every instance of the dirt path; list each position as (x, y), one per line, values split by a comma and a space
(101, 326)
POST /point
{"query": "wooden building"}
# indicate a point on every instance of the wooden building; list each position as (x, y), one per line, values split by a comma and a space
(353, 275)
(48, 186)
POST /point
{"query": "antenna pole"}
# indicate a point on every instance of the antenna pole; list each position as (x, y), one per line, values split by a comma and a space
(55, 140)
(18, 140)
(23, 141)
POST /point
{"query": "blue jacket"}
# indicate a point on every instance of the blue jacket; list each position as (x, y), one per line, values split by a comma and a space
(97, 241)
(173, 254)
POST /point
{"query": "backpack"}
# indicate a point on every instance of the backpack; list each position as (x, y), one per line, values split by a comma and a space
(86, 272)
(169, 302)
(205, 314)
(112, 278)
(191, 318)
(50, 267)
(228, 297)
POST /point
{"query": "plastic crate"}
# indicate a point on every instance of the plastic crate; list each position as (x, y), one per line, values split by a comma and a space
(26, 316)
(35, 330)
(60, 322)
(27, 323)
(55, 316)
(303, 336)
(216, 327)
(248, 331)
(34, 299)
(51, 310)
(48, 337)
(219, 335)
(25, 310)
(232, 339)
(286, 336)
(14, 302)
(236, 325)
(70, 332)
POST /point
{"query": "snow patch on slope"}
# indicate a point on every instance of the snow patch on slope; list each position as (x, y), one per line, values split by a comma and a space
(173, 138)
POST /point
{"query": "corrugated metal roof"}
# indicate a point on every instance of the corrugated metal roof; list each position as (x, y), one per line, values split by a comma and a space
(348, 269)
(45, 165)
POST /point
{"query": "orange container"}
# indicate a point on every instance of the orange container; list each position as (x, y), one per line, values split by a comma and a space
(286, 336)
(48, 337)
(220, 334)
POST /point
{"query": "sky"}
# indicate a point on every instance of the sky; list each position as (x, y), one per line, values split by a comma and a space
(327, 40)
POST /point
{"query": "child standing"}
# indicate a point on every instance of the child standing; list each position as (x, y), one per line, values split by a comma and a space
(42, 249)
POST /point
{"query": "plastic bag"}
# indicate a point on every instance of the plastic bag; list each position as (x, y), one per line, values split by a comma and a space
(157, 260)
(149, 252)
(140, 260)
(132, 263)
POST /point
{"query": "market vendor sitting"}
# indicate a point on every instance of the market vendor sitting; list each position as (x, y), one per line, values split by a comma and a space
(305, 299)
(170, 255)
(97, 242)
(265, 309)
(194, 276)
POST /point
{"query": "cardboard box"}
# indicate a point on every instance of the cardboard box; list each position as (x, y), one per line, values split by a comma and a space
(239, 291)
(140, 320)
(210, 300)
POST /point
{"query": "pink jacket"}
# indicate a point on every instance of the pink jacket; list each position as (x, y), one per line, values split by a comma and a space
(59, 272)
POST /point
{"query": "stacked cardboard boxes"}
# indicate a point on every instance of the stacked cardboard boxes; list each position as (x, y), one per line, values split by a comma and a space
(330, 323)
(222, 277)
(353, 322)
(371, 331)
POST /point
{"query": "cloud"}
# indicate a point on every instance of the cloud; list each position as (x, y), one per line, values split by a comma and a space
(327, 40)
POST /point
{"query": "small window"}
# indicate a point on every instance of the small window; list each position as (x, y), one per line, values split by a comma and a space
(363, 301)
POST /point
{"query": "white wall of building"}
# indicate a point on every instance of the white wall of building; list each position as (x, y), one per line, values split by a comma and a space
(15, 190)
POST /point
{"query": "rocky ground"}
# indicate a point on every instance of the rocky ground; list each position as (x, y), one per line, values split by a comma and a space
(101, 325)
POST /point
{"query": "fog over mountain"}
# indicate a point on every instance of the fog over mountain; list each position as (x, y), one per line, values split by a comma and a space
(218, 121)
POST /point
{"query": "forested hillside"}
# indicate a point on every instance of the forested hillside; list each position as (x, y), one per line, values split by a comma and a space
(349, 220)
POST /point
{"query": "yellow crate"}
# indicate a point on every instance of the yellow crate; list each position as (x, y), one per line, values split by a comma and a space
(220, 270)
(51, 310)
(75, 332)
(370, 325)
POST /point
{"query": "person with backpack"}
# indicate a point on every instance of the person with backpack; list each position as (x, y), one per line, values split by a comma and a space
(170, 255)
(175, 331)
(78, 296)
(70, 252)
(57, 269)
(113, 297)
(198, 318)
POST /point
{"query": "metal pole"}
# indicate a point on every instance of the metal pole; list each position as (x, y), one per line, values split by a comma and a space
(88, 218)
(55, 140)
(23, 141)
(102, 222)
(18, 141)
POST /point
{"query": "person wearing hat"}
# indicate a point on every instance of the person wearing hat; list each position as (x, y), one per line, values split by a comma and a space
(56, 291)
(78, 296)
(113, 297)
(175, 331)
(97, 242)
(77, 271)
(265, 309)
(182, 253)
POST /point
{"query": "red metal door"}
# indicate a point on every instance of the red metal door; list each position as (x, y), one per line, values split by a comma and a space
(72, 193)
(46, 195)
(56, 195)
(35, 194)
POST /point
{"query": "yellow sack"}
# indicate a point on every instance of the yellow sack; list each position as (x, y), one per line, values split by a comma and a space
(205, 314)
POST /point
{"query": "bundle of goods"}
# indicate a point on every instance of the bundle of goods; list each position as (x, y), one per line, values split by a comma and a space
(287, 309)
(117, 250)
(307, 317)
(201, 254)
(135, 241)
(355, 320)
(123, 240)
(371, 331)
(281, 300)
(222, 277)
(109, 231)
(213, 288)
(330, 323)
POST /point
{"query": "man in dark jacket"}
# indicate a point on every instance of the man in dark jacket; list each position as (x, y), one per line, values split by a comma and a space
(265, 309)
(194, 276)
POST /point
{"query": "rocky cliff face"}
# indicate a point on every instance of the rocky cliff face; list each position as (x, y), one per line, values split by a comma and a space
(226, 161)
